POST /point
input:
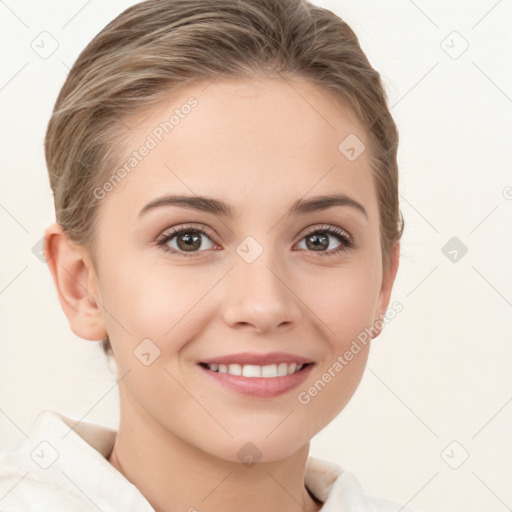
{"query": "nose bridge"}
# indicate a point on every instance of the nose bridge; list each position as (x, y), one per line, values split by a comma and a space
(262, 277)
(257, 291)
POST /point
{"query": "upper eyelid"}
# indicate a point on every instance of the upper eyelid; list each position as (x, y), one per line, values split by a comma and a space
(325, 227)
(173, 231)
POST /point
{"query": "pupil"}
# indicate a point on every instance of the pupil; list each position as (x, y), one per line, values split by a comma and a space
(318, 241)
(190, 241)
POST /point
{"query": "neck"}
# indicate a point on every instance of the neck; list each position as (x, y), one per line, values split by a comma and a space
(174, 475)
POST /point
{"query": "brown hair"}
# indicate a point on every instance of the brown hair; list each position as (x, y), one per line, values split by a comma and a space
(159, 46)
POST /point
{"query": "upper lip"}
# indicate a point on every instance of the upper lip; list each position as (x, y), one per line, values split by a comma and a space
(257, 359)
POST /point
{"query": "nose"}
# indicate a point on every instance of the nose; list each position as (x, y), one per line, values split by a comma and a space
(259, 296)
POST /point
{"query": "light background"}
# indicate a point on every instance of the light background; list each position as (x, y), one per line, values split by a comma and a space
(440, 372)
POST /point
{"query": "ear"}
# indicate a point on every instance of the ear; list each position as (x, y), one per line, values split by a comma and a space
(76, 283)
(388, 279)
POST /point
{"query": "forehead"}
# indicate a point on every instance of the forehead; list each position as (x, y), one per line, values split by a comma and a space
(246, 139)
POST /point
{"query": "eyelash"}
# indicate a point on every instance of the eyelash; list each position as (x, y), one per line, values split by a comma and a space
(339, 234)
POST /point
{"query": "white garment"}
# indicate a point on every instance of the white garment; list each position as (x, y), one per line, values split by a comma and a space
(62, 467)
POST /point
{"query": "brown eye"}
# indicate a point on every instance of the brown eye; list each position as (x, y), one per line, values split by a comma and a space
(317, 241)
(320, 239)
(186, 240)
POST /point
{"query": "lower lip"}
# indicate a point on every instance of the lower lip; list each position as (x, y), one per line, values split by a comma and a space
(260, 387)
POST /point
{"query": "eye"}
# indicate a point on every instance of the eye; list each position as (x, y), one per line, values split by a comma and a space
(317, 240)
(185, 240)
(189, 240)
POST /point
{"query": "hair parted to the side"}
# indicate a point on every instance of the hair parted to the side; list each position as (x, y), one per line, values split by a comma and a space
(158, 47)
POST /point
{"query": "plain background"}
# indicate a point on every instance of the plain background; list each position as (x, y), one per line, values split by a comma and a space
(437, 387)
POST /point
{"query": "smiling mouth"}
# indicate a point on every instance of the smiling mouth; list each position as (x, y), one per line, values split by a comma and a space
(254, 370)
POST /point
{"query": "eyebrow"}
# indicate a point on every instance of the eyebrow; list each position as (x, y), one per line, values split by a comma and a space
(211, 205)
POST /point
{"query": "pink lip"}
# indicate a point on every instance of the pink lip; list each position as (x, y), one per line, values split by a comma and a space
(259, 387)
(259, 359)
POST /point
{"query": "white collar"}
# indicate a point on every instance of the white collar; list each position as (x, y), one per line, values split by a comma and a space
(77, 445)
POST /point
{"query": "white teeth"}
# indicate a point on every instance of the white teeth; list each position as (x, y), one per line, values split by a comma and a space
(282, 370)
(235, 369)
(251, 370)
(254, 370)
(270, 370)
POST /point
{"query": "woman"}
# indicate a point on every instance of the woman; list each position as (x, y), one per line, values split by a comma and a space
(226, 193)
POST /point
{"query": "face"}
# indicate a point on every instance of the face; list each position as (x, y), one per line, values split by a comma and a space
(257, 271)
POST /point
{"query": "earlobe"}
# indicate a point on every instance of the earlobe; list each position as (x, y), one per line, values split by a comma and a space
(73, 274)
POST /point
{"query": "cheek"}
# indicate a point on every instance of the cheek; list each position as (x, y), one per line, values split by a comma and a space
(152, 301)
(345, 307)
(344, 299)
(332, 387)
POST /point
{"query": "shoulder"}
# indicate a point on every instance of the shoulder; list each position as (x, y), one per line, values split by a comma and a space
(24, 492)
(28, 483)
(62, 466)
(339, 489)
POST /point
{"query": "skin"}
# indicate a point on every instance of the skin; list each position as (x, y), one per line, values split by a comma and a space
(258, 145)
